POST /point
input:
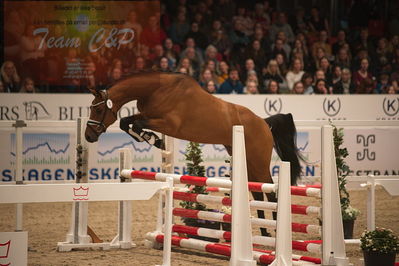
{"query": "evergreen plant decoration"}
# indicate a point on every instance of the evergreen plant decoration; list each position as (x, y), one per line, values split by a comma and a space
(348, 212)
(194, 160)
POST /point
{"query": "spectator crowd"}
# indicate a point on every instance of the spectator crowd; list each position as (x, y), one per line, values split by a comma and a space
(227, 47)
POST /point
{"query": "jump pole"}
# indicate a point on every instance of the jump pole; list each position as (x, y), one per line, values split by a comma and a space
(332, 230)
(77, 236)
(124, 237)
(19, 125)
(284, 218)
(241, 244)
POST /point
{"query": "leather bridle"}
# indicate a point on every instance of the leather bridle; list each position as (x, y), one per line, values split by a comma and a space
(108, 107)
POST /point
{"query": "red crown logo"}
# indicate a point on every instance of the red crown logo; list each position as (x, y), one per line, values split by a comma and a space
(4, 249)
(81, 193)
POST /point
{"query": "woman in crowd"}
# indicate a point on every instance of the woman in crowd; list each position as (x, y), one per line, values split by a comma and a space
(295, 73)
(273, 87)
(210, 86)
(298, 88)
(272, 71)
(28, 86)
(9, 77)
(251, 87)
(362, 74)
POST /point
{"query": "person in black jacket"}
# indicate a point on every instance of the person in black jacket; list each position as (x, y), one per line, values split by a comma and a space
(345, 85)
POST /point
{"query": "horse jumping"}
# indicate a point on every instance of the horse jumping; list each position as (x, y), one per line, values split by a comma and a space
(175, 105)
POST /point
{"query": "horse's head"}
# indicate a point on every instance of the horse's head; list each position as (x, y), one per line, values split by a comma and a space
(101, 115)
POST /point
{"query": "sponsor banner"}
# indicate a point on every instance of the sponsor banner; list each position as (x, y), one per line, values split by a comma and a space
(310, 107)
(49, 154)
(14, 248)
(64, 38)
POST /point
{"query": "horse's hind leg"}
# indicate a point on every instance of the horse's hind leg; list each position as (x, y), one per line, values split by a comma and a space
(138, 123)
(261, 214)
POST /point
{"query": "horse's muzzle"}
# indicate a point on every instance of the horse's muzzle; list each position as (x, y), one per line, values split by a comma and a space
(91, 138)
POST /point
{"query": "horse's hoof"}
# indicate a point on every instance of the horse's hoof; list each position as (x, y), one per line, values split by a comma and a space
(159, 144)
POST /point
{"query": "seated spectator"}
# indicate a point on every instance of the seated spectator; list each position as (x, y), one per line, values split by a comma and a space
(322, 43)
(389, 90)
(272, 72)
(115, 76)
(28, 86)
(163, 65)
(171, 52)
(1, 87)
(232, 84)
(320, 87)
(222, 43)
(132, 23)
(307, 81)
(259, 35)
(295, 73)
(340, 42)
(185, 63)
(366, 86)
(215, 29)
(223, 73)
(343, 58)
(363, 43)
(139, 65)
(156, 53)
(152, 34)
(282, 64)
(249, 66)
(210, 87)
(273, 87)
(179, 28)
(246, 20)
(316, 23)
(301, 49)
(206, 75)
(9, 77)
(256, 52)
(237, 35)
(286, 46)
(200, 38)
(298, 88)
(298, 21)
(281, 25)
(31, 55)
(336, 75)
(211, 53)
(345, 85)
(251, 87)
(252, 76)
(280, 48)
(324, 65)
(362, 74)
(383, 56)
(383, 83)
(319, 74)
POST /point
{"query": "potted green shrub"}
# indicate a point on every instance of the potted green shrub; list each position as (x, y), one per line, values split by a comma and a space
(193, 156)
(349, 214)
(379, 247)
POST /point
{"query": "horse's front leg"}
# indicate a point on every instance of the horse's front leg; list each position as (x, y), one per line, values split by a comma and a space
(134, 125)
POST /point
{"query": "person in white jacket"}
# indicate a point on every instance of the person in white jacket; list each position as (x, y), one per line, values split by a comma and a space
(295, 73)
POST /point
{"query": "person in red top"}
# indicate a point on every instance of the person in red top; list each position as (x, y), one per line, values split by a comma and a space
(152, 34)
(363, 73)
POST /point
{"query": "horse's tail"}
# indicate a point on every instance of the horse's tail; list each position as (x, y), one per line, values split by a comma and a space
(284, 134)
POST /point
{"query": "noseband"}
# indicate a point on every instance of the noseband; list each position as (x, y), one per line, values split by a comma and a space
(108, 104)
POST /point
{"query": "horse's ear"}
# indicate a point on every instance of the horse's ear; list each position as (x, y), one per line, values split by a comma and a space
(94, 91)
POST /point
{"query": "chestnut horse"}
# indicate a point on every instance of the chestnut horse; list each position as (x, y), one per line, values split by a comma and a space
(175, 105)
